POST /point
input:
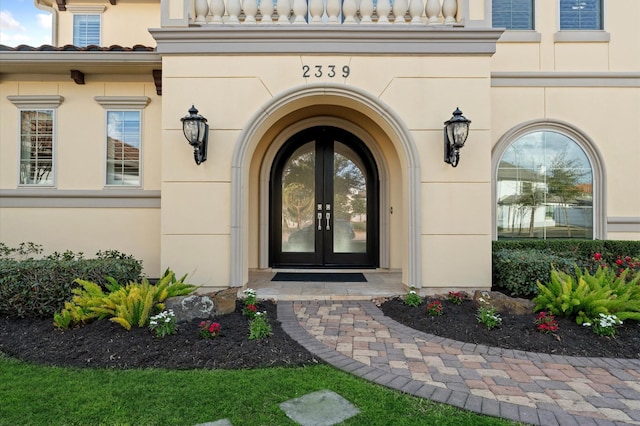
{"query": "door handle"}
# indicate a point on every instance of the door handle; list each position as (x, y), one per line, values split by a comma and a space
(319, 221)
(328, 216)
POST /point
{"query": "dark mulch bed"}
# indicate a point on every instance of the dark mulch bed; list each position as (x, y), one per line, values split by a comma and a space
(106, 344)
(517, 331)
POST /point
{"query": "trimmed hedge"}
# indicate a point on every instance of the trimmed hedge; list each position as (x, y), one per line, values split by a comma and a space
(574, 249)
(519, 264)
(39, 288)
(518, 271)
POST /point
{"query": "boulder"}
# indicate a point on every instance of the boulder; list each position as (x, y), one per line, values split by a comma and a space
(205, 306)
(503, 303)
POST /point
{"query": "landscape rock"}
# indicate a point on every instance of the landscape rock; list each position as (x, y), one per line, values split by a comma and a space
(503, 303)
(206, 306)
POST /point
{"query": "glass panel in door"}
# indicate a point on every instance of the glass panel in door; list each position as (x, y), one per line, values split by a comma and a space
(298, 198)
(349, 201)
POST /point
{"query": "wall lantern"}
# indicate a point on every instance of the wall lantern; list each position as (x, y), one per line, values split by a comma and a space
(456, 130)
(196, 130)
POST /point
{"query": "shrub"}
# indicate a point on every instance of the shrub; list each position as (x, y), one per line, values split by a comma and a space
(518, 271)
(435, 308)
(455, 297)
(209, 330)
(40, 287)
(546, 323)
(259, 327)
(573, 249)
(130, 305)
(489, 317)
(412, 298)
(619, 264)
(587, 296)
(163, 324)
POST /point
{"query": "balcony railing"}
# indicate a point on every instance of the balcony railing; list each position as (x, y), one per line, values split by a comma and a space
(310, 12)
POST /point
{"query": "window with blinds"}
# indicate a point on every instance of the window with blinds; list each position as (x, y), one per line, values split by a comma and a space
(36, 147)
(123, 148)
(513, 14)
(86, 30)
(581, 15)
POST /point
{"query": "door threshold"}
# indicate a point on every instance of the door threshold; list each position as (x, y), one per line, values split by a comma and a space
(327, 270)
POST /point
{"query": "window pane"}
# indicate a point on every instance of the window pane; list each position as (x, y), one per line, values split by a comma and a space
(86, 30)
(513, 14)
(123, 148)
(544, 189)
(298, 201)
(580, 14)
(36, 147)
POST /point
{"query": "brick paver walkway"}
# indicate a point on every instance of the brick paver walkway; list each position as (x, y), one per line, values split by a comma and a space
(528, 387)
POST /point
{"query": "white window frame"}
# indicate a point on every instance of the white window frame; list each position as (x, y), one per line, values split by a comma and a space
(86, 10)
(37, 103)
(588, 146)
(584, 36)
(117, 104)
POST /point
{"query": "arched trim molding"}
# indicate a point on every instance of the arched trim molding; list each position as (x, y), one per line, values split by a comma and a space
(583, 141)
(270, 155)
(277, 108)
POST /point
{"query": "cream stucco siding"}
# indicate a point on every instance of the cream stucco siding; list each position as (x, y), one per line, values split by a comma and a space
(121, 23)
(392, 86)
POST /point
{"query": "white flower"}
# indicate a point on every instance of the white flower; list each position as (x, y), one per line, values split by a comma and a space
(412, 292)
(586, 324)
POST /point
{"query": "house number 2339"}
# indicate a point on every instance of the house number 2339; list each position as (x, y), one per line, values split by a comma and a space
(319, 71)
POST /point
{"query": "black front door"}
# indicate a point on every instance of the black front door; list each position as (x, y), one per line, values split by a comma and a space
(324, 202)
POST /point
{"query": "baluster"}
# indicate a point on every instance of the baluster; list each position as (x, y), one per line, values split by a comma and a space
(316, 7)
(449, 10)
(415, 10)
(300, 11)
(399, 11)
(349, 10)
(217, 10)
(250, 8)
(234, 9)
(266, 10)
(201, 9)
(333, 10)
(284, 8)
(366, 10)
(383, 9)
(432, 9)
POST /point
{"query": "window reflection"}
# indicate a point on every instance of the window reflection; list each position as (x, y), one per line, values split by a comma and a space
(544, 189)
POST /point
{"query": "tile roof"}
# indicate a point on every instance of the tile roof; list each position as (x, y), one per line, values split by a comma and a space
(72, 48)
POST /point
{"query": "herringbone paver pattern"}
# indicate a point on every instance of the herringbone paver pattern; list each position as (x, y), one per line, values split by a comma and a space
(529, 387)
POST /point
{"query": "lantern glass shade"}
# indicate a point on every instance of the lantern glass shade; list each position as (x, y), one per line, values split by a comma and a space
(457, 132)
(191, 131)
(194, 127)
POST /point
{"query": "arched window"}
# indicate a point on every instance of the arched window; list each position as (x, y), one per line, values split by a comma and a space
(547, 183)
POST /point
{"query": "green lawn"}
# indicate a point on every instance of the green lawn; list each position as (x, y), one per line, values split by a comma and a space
(36, 395)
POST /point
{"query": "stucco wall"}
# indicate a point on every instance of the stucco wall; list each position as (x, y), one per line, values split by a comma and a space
(124, 24)
(585, 53)
(422, 91)
(79, 212)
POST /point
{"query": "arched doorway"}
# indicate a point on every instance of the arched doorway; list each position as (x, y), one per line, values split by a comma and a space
(324, 202)
(389, 139)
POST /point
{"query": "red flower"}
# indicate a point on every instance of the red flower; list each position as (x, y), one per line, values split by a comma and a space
(252, 307)
(619, 262)
(597, 256)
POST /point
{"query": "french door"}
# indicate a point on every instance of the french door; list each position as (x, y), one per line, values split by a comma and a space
(324, 202)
